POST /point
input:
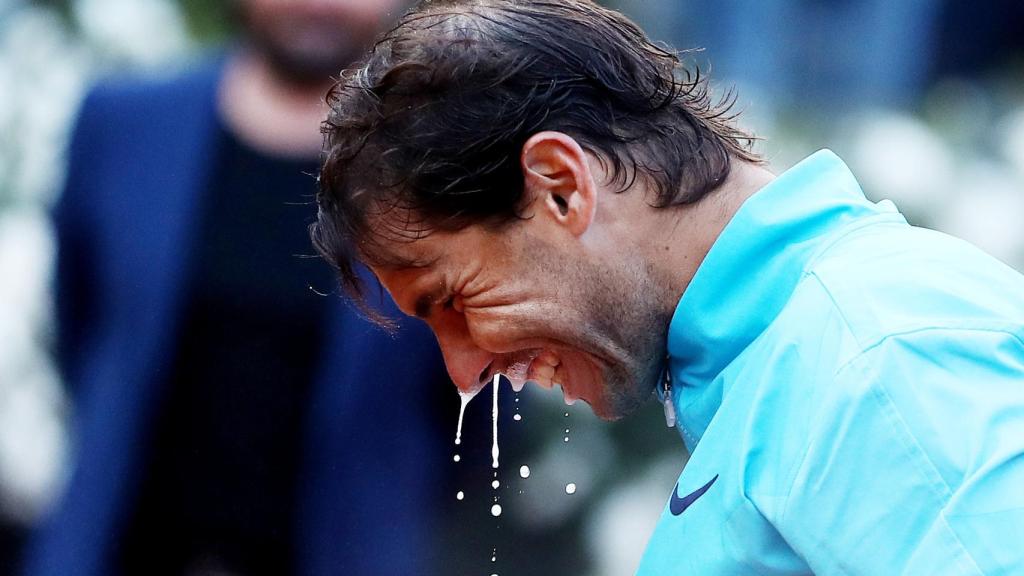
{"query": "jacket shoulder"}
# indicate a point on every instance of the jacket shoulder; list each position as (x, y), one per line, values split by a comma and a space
(126, 99)
(893, 279)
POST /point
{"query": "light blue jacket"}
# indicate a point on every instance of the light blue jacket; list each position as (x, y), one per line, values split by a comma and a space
(851, 390)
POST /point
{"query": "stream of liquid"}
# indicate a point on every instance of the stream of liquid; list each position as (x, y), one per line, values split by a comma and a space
(465, 397)
(494, 421)
(517, 378)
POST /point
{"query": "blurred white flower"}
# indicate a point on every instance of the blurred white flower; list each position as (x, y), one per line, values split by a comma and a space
(1010, 131)
(987, 211)
(26, 253)
(146, 32)
(45, 72)
(898, 157)
(33, 444)
(620, 525)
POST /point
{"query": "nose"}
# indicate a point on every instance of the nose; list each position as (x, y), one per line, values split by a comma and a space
(468, 365)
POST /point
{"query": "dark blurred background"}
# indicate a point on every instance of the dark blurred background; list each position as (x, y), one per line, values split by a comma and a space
(923, 98)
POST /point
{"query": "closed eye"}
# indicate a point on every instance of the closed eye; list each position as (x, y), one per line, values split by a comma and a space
(426, 303)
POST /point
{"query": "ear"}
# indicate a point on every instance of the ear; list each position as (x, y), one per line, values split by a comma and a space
(559, 181)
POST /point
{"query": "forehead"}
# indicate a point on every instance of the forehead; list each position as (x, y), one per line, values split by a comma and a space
(435, 258)
(397, 238)
(395, 254)
(400, 254)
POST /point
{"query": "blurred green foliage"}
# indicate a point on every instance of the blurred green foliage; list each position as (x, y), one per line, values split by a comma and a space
(209, 21)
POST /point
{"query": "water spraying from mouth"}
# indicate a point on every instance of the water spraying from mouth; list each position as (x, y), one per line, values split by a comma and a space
(516, 370)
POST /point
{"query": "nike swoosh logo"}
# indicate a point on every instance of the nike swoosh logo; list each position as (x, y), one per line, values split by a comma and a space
(679, 505)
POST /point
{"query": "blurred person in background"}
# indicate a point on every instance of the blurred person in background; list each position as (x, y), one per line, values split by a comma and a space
(547, 188)
(230, 419)
(828, 58)
(838, 55)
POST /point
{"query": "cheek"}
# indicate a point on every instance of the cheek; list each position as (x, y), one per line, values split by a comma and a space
(511, 328)
(489, 331)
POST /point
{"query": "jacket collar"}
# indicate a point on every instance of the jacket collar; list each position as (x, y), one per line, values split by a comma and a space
(749, 274)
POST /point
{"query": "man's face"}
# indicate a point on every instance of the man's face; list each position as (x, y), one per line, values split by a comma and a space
(530, 302)
(311, 40)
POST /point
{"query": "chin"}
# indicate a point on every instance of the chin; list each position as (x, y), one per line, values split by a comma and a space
(611, 412)
(622, 397)
(605, 413)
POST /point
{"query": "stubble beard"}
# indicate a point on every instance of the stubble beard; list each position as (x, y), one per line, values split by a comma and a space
(630, 308)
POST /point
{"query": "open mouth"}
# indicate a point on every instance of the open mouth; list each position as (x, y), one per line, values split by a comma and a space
(547, 370)
(541, 366)
(515, 367)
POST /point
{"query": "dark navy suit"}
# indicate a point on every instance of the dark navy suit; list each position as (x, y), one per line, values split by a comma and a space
(126, 232)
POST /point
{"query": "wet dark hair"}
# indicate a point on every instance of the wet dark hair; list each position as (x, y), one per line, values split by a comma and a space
(426, 133)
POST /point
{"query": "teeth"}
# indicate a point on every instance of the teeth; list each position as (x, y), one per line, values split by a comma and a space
(544, 371)
(548, 358)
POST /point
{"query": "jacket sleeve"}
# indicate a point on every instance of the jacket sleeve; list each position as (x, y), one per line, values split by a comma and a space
(75, 289)
(916, 460)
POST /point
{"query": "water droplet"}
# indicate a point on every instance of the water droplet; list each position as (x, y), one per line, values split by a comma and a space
(524, 471)
(496, 510)
(517, 417)
(457, 458)
(570, 488)
(566, 439)
(459, 495)
(566, 430)
(495, 484)
(566, 414)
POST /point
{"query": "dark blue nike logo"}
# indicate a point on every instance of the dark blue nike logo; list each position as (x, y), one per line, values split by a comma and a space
(679, 505)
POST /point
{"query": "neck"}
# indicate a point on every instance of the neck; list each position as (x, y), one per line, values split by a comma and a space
(269, 113)
(688, 232)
